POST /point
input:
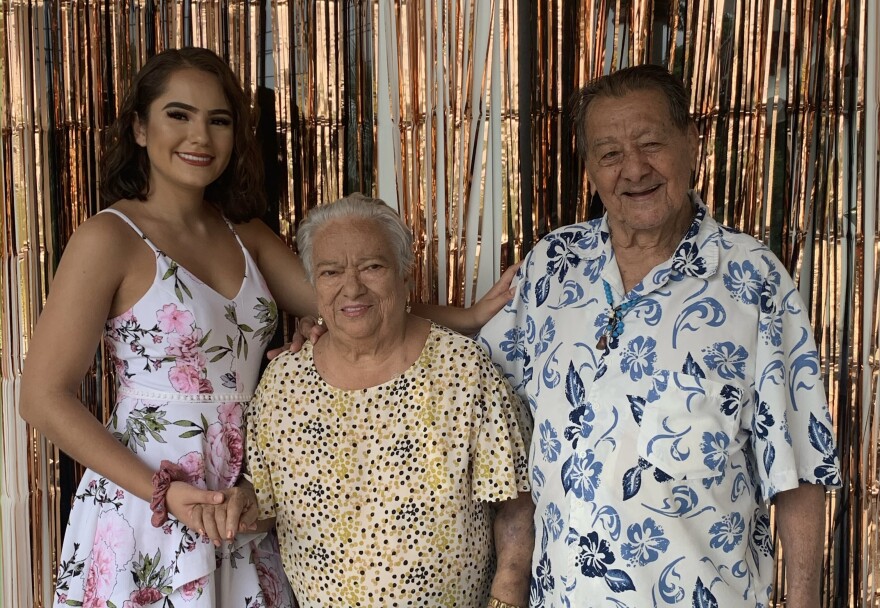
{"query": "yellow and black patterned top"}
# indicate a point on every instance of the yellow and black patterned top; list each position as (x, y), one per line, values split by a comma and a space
(382, 495)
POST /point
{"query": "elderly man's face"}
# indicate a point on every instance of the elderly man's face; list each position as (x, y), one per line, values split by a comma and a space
(640, 162)
(358, 286)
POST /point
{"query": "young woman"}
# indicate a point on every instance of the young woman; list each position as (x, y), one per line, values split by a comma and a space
(184, 285)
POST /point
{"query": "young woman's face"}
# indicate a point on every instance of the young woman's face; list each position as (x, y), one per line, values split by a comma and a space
(188, 134)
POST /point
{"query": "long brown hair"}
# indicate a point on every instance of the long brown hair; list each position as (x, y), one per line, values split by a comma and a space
(125, 168)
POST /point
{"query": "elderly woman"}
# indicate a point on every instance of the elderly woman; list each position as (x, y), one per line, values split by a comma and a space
(391, 452)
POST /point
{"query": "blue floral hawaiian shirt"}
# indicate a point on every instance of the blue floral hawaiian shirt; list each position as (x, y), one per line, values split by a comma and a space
(655, 454)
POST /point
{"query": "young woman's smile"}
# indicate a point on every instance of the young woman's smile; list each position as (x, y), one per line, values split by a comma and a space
(188, 133)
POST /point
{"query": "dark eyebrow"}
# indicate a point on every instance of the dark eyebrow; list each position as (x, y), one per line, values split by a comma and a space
(189, 108)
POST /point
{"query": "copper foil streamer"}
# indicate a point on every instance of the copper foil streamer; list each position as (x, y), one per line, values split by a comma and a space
(454, 112)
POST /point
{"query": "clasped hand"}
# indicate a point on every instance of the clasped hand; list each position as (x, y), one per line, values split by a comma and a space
(217, 514)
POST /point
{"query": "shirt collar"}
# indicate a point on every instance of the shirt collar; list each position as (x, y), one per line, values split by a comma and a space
(696, 254)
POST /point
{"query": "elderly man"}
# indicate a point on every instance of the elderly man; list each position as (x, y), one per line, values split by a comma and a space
(674, 381)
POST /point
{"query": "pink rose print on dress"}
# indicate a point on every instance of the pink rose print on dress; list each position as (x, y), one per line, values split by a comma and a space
(187, 375)
(143, 597)
(101, 577)
(193, 589)
(186, 349)
(117, 534)
(194, 465)
(205, 386)
(172, 320)
(111, 554)
(184, 378)
(270, 584)
(225, 454)
(230, 414)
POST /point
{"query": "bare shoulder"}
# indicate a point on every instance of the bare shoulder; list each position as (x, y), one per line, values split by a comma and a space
(83, 294)
(254, 229)
(256, 234)
(106, 258)
(104, 234)
(280, 267)
(253, 234)
(263, 243)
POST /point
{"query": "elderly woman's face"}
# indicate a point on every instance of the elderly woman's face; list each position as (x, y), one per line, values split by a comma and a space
(639, 161)
(359, 289)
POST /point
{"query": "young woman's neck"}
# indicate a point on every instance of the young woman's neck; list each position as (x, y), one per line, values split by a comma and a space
(180, 205)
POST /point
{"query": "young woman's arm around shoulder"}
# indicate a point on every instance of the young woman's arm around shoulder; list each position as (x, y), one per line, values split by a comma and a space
(98, 277)
(286, 279)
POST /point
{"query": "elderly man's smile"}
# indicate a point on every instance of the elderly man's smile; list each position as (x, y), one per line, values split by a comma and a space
(642, 192)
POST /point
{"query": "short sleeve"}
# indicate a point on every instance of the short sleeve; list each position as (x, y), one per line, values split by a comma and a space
(791, 429)
(504, 337)
(501, 432)
(256, 440)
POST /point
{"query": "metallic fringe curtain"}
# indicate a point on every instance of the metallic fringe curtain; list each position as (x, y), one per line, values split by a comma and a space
(453, 111)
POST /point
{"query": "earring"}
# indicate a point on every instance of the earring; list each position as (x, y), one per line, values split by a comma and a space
(320, 321)
(408, 307)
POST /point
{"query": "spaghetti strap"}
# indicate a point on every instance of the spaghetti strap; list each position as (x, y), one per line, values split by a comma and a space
(134, 227)
(234, 232)
(152, 245)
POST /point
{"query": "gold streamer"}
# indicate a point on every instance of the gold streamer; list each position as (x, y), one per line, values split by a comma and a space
(778, 90)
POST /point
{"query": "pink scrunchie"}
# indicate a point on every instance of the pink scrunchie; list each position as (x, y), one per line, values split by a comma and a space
(168, 472)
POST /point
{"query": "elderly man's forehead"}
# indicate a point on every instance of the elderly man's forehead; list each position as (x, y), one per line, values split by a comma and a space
(657, 109)
(660, 98)
(350, 222)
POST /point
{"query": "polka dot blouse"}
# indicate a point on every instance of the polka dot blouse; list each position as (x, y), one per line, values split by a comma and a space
(382, 494)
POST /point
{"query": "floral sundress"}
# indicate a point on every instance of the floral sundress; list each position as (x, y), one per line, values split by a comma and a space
(187, 360)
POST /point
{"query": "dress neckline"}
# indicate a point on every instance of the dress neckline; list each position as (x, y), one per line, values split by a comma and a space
(174, 263)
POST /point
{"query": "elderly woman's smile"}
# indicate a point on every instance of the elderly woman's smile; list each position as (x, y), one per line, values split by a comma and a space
(360, 287)
(398, 477)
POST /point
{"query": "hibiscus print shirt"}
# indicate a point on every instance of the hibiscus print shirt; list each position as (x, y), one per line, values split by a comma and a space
(655, 455)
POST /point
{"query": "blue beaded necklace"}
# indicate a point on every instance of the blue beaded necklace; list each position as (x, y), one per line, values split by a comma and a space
(615, 325)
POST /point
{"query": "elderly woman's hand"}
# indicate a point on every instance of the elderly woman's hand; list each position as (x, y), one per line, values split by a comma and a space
(237, 513)
(306, 328)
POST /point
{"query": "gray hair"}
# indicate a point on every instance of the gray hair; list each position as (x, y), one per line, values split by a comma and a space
(357, 207)
(628, 80)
